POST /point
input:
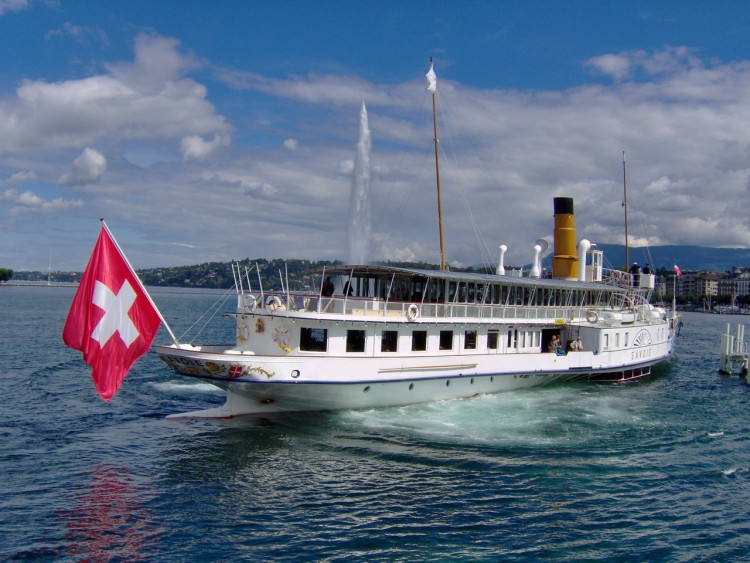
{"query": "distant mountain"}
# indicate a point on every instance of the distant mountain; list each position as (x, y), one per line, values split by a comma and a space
(686, 257)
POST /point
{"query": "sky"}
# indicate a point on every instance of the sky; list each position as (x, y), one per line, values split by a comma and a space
(213, 131)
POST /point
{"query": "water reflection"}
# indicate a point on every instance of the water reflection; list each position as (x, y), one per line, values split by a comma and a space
(109, 519)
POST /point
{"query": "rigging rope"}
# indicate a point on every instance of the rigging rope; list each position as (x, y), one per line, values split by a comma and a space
(217, 305)
(487, 255)
(381, 214)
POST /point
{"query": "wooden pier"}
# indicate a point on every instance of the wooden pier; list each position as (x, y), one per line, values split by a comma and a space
(734, 352)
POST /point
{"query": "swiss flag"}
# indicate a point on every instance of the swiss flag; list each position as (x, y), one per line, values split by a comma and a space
(677, 270)
(111, 320)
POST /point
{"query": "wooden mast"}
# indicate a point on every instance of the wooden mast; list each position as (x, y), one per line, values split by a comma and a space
(625, 205)
(431, 87)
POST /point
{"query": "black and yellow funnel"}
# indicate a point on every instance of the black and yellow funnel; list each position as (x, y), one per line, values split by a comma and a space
(565, 260)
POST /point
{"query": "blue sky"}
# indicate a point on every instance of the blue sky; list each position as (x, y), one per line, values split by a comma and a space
(211, 131)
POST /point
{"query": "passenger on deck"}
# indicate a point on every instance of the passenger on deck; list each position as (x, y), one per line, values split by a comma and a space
(554, 344)
(327, 289)
(635, 272)
(347, 288)
(576, 345)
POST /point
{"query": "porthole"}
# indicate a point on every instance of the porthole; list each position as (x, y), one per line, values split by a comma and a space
(295, 373)
(366, 389)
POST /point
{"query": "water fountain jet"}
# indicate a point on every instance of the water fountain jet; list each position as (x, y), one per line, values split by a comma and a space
(359, 203)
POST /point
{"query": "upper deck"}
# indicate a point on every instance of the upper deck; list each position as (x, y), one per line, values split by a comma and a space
(402, 294)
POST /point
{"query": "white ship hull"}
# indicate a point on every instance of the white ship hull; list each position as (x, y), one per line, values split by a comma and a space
(268, 384)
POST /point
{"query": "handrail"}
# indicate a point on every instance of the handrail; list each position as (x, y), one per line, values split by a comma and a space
(352, 306)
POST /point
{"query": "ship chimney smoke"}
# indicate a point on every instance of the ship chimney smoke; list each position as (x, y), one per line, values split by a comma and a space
(565, 260)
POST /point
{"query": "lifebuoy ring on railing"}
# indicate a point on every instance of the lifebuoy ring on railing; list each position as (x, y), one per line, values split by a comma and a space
(273, 302)
(412, 312)
(250, 302)
(592, 317)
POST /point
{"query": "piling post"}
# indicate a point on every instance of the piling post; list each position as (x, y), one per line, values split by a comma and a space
(725, 353)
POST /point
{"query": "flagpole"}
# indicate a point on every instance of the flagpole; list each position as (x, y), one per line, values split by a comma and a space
(431, 87)
(625, 206)
(140, 283)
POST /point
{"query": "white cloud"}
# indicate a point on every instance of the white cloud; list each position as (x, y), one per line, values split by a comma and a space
(148, 98)
(622, 65)
(314, 88)
(26, 198)
(87, 168)
(19, 178)
(616, 66)
(84, 35)
(387, 250)
(29, 201)
(291, 144)
(12, 6)
(194, 147)
(158, 63)
(241, 183)
(346, 167)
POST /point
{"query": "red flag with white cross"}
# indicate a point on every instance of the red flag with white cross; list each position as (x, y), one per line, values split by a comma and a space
(112, 320)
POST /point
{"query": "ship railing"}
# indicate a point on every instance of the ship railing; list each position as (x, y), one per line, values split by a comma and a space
(617, 278)
(640, 287)
(340, 305)
(626, 280)
(367, 307)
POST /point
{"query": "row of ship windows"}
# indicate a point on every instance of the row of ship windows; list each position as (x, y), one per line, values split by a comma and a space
(625, 342)
(316, 340)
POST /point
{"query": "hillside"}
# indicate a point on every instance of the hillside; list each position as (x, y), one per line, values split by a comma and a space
(297, 272)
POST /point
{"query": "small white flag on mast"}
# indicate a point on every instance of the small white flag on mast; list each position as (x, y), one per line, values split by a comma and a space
(431, 79)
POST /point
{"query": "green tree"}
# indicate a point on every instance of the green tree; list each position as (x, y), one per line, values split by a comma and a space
(5, 274)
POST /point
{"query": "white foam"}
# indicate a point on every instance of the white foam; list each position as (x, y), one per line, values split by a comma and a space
(528, 417)
(171, 387)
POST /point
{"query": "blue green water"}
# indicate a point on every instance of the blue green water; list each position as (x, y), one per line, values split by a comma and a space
(655, 470)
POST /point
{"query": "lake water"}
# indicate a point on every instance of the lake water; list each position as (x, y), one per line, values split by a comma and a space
(655, 470)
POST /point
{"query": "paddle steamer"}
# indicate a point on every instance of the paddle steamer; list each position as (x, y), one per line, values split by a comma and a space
(393, 336)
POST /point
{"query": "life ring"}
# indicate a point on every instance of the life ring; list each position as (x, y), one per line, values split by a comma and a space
(592, 317)
(412, 312)
(273, 302)
(251, 302)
